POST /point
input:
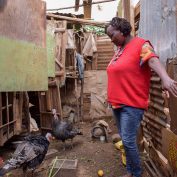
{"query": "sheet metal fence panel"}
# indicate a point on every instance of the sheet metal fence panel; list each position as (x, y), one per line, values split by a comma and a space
(158, 24)
(23, 60)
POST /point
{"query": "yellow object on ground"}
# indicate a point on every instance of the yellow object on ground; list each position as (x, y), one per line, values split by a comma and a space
(100, 173)
(123, 158)
(119, 145)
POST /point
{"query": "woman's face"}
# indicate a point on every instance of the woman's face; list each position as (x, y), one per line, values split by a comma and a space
(115, 35)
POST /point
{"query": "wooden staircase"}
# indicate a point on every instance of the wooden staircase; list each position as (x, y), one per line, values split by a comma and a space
(105, 49)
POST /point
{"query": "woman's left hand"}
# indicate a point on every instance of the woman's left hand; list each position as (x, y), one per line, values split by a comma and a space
(170, 85)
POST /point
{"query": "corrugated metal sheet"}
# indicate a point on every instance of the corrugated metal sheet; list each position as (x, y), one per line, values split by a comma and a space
(158, 24)
(155, 118)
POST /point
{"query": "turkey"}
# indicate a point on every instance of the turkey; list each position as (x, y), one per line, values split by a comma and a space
(29, 154)
(63, 130)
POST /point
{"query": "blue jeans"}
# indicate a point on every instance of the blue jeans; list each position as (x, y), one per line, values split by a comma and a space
(128, 120)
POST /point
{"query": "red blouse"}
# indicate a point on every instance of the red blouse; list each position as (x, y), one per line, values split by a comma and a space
(129, 74)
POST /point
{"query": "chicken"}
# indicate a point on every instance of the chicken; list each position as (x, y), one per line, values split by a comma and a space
(63, 130)
(28, 155)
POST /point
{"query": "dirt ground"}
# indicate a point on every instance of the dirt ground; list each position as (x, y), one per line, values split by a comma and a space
(92, 155)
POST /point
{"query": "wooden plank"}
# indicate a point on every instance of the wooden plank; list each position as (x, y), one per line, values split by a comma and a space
(23, 40)
(61, 56)
(158, 158)
(137, 9)
(77, 20)
(7, 125)
(49, 102)
(51, 26)
(150, 171)
(59, 63)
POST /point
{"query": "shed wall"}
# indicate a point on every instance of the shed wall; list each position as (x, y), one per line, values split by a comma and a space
(158, 24)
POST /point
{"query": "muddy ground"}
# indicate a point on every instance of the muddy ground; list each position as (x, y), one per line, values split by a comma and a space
(92, 155)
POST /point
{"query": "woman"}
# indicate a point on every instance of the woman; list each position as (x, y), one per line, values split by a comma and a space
(129, 74)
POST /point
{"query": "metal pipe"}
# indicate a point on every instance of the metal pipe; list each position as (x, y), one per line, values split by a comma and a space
(71, 7)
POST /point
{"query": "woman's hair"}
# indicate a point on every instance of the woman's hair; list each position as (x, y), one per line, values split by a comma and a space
(122, 25)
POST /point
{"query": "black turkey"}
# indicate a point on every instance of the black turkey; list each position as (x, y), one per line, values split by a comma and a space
(63, 130)
(28, 155)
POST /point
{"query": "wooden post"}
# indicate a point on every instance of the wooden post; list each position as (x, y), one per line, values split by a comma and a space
(48, 101)
(82, 99)
(76, 89)
(0, 117)
(18, 108)
(126, 9)
(77, 5)
(26, 110)
(7, 111)
(87, 9)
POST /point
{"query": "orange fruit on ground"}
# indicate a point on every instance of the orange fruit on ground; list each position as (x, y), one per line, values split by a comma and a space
(100, 173)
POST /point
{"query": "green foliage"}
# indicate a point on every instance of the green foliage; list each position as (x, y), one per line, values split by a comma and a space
(98, 30)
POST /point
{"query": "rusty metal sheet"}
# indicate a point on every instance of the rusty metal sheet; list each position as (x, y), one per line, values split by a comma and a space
(23, 66)
(24, 20)
(158, 24)
(23, 59)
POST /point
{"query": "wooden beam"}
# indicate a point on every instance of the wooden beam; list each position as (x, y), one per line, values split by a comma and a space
(52, 83)
(59, 63)
(59, 73)
(137, 9)
(60, 30)
(77, 20)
